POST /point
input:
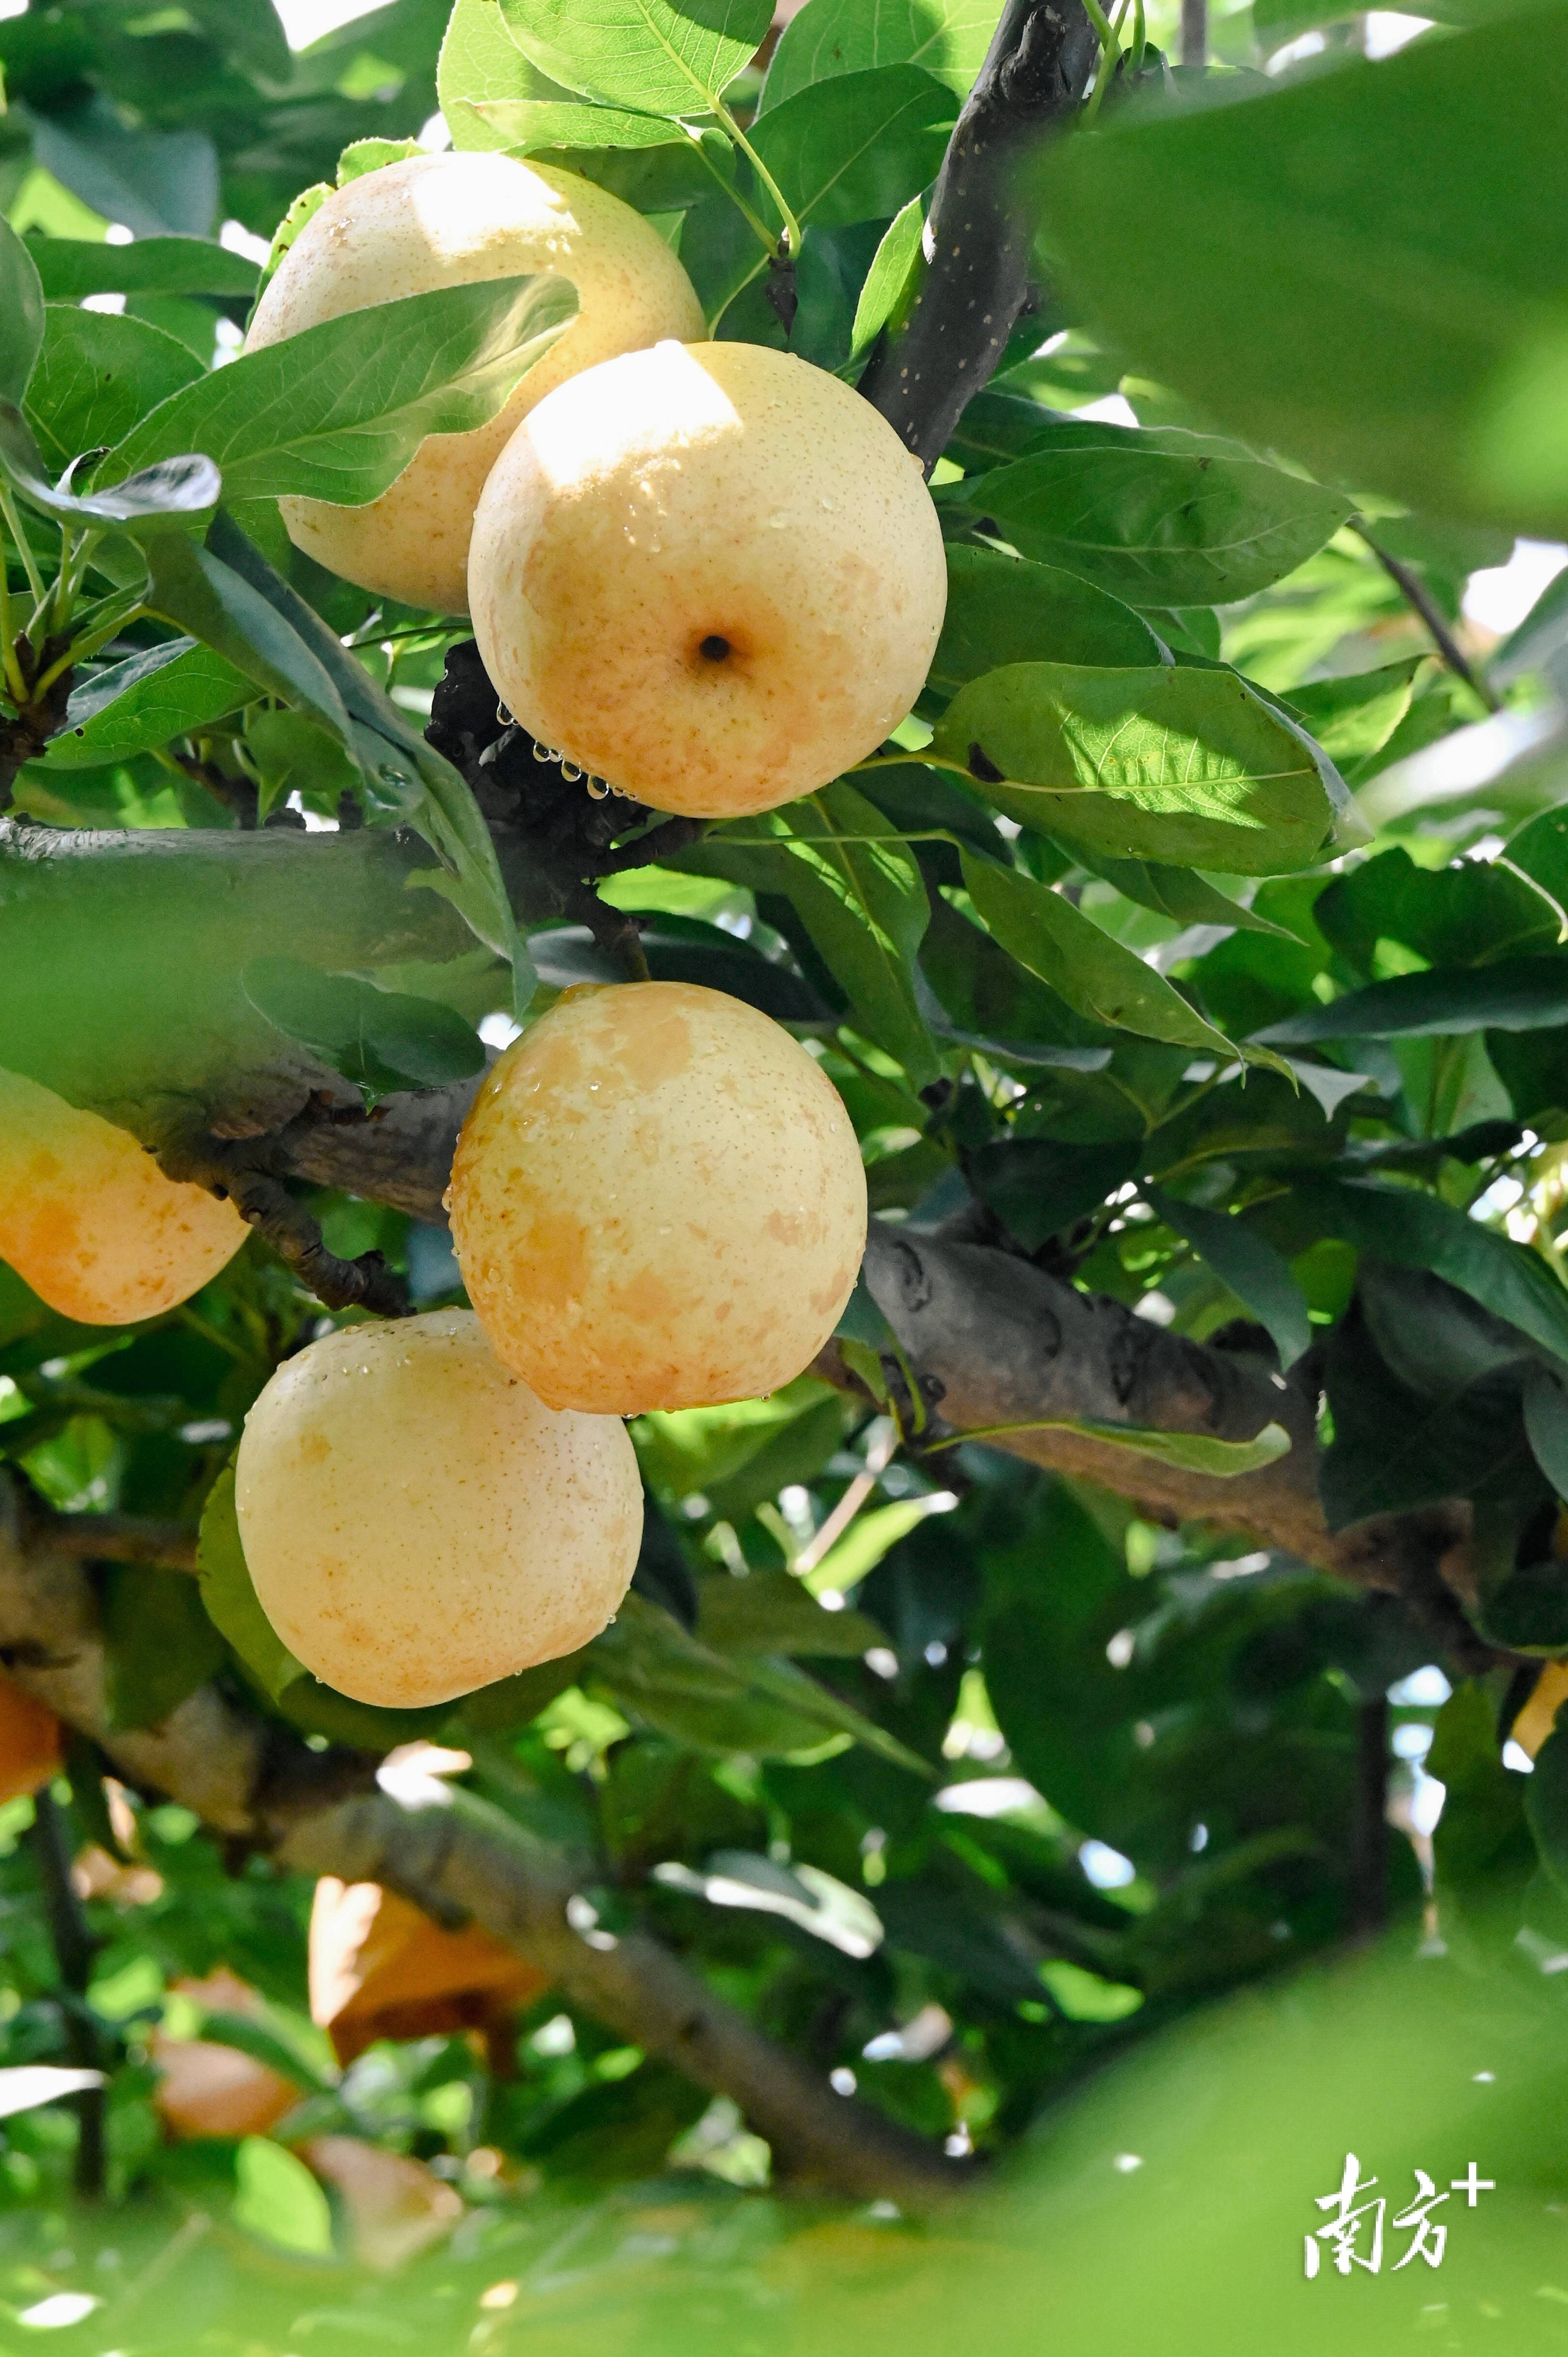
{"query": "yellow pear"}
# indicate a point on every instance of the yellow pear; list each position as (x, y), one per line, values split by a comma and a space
(710, 574)
(417, 1524)
(89, 1220)
(657, 1201)
(448, 221)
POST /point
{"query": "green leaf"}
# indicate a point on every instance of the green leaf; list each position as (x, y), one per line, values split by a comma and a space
(229, 1597)
(1246, 1263)
(70, 267)
(1005, 609)
(145, 501)
(1546, 1428)
(893, 265)
(1158, 516)
(1472, 912)
(868, 1538)
(1285, 212)
(861, 900)
(1093, 973)
(948, 37)
(1188, 1452)
(191, 587)
(1039, 1186)
(1515, 995)
(649, 55)
(403, 774)
(1184, 767)
(1353, 717)
(336, 412)
(362, 155)
(1177, 892)
(1415, 1230)
(1546, 1807)
(159, 1643)
(379, 1039)
(97, 374)
(857, 148)
(479, 61)
(156, 182)
(280, 2201)
(651, 1666)
(295, 755)
(769, 1612)
(140, 704)
(262, 2045)
(526, 124)
(21, 315)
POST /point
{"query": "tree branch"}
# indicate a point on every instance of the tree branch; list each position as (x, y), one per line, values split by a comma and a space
(942, 345)
(1418, 597)
(74, 1948)
(250, 1780)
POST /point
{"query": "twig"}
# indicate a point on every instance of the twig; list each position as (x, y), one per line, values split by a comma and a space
(1414, 590)
(251, 1781)
(231, 1172)
(1370, 1831)
(74, 1948)
(945, 341)
(112, 1538)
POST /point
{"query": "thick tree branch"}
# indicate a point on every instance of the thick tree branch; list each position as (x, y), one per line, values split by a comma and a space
(250, 1781)
(945, 341)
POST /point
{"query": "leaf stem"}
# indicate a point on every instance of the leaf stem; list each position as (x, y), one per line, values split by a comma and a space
(791, 238)
(764, 234)
(23, 549)
(10, 669)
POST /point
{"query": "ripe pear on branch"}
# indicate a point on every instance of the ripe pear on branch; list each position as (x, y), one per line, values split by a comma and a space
(89, 1220)
(451, 220)
(657, 1202)
(417, 1524)
(710, 574)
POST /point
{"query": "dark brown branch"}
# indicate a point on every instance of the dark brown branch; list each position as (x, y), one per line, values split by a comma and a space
(229, 1171)
(24, 734)
(1416, 594)
(110, 1538)
(252, 1781)
(74, 1949)
(940, 348)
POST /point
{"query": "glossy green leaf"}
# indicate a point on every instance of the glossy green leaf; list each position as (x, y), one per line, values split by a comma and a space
(655, 55)
(1246, 1263)
(97, 373)
(21, 315)
(1178, 892)
(948, 37)
(157, 183)
(1178, 766)
(379, 1039)
(480, 63)
(1546, 1428)
(772, 1613)
(1529, 994)
(1094, 974)
(892, 267)
(525, 126)
(1038, 1187)
(70, 267)
(857, 148)
(860, 896)
(1471, 913)
(142, 502)
(294, 755)
(1352, 718)
(1004, 610)
(1188, 1452)
(336, 412)
(1415, 1230)
(138, 705)
(191, 587)
(1160, 517)
(1285, 212)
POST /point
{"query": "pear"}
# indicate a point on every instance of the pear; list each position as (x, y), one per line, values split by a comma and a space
(416, 1523)
(657, 1201)
(709, 574)
(448, 221)
(89, 1220)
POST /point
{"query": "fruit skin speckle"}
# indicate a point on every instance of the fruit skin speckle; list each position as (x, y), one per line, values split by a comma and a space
(657, 1201)
(417, 1524)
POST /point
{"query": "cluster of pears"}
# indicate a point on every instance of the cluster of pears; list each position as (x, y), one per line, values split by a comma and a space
(708, 573)
(711, 574)
(657, 1201)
